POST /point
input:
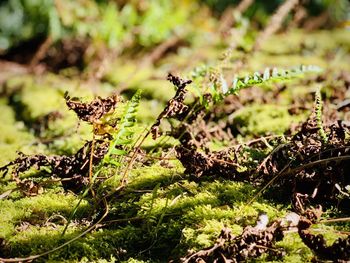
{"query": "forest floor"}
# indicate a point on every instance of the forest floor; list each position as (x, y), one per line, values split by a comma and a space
(263, 153)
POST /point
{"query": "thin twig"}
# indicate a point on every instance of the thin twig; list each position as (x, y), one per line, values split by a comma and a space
(275, 22)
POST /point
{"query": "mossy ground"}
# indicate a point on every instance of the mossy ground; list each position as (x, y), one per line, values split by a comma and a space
(162, 213)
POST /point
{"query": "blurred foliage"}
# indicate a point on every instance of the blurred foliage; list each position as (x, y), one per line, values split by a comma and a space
(23, 20)
(104, 22)
(171, 16)
(123, 23)
(339, 9)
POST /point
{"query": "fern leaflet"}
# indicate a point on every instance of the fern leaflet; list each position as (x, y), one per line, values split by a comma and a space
(268, 75)
(123, 138)
(318, 113)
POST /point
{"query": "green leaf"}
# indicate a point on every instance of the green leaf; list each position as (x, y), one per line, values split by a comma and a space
(119, 152)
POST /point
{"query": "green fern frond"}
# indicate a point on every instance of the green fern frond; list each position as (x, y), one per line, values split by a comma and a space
(123, 138)
(268, 75)
(219, 88)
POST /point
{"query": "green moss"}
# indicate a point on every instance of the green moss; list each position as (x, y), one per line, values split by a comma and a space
(132, 260)
(295, 249)
(128, 73)
(34, 97)
(314, 43)
(195, 213)
(149, 110)
(38, 103)
(97, 245)
(149, 177)
(264, 119)
(13, 135)
(161, 208)
(36, 210)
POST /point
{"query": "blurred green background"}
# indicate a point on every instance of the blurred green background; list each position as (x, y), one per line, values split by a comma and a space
(134, 23)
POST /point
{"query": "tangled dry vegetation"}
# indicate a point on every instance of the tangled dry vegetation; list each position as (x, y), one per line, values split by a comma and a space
(236, 167)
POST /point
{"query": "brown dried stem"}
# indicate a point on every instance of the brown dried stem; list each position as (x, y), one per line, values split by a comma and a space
(275, 22)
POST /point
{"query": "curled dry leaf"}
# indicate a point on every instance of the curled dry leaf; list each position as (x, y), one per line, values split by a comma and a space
(175, 106)
(93, 111)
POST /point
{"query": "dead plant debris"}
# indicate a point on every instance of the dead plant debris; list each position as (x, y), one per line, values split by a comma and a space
(93, 111)
(223, 163)
(252, 243)
(339, 251)
(260, 239)
(310, 166)
(72, 169)
(175, 106)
